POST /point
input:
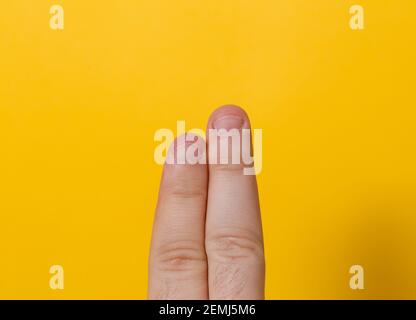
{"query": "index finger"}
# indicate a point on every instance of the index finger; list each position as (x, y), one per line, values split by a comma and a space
(234, 241)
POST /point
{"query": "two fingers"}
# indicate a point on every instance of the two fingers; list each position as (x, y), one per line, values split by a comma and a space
(207, 237)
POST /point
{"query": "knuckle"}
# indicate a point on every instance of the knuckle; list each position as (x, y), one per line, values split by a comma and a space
(232, 169)
(184, 191)
(179, 256)
(233, 245)
(183, 188)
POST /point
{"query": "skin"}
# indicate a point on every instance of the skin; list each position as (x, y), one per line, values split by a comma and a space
(207, 240)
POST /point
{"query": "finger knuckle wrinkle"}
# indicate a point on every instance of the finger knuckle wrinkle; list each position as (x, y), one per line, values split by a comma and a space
(234, 169)
(180, 256)
(185, 189)
(235, 246)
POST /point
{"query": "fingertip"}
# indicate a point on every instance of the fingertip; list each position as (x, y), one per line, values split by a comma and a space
(188, 148)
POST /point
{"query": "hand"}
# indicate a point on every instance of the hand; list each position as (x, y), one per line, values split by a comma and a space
(207, 238)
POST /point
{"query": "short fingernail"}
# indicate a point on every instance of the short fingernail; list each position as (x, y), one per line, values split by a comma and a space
(228, 122)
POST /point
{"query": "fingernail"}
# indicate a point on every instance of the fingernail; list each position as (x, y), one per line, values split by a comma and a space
(228, 122)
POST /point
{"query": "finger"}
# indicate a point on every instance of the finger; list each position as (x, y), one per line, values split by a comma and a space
(177, 262)
(234, 241)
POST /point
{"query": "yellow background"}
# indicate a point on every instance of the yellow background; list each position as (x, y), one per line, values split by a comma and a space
(79, 107)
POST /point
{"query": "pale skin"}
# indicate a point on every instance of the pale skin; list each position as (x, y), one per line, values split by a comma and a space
(207, 240)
